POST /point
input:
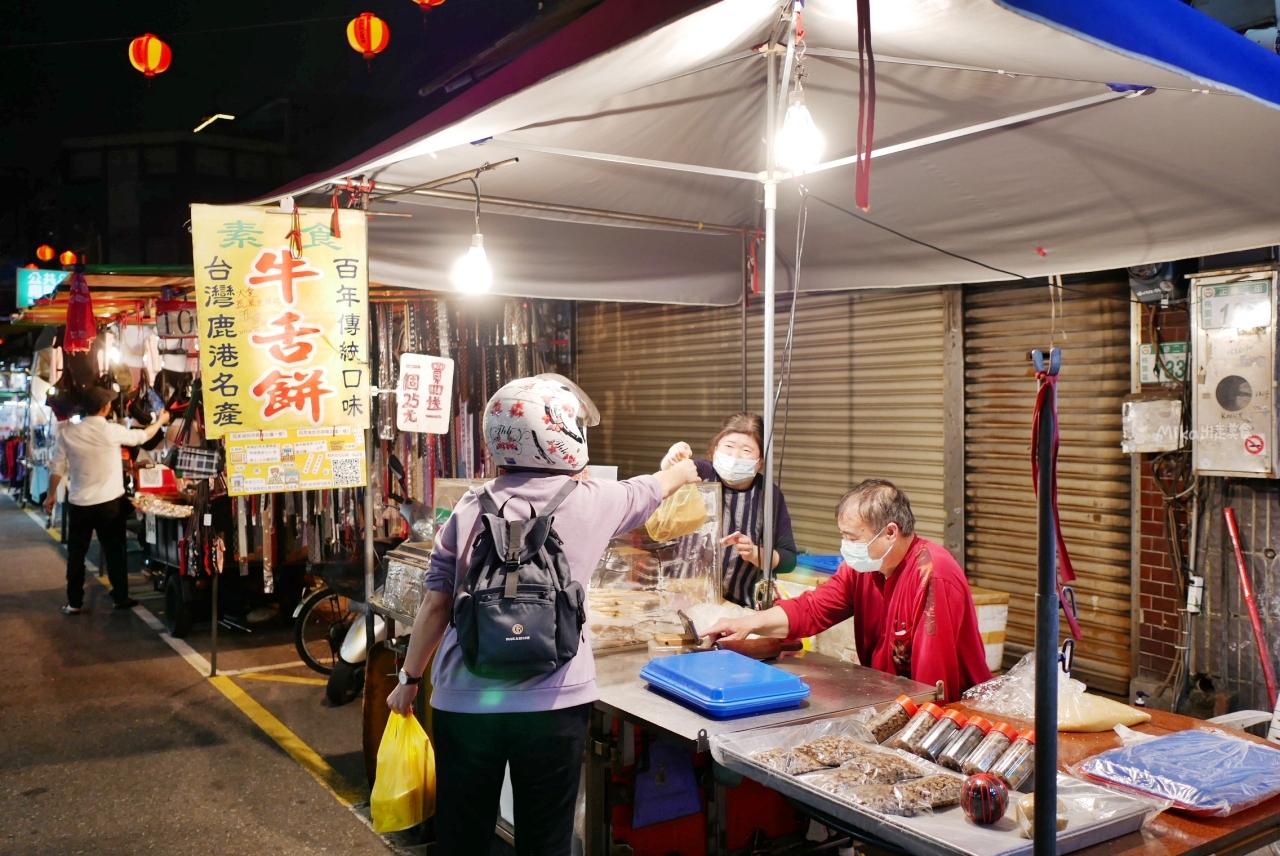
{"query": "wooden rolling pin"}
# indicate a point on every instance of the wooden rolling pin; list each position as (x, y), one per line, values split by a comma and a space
(759, 649)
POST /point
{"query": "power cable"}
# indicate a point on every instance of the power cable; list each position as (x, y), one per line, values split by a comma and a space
(963, 258)
(802, 223)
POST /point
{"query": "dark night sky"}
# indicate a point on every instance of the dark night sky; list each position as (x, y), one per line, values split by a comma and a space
(338, 107)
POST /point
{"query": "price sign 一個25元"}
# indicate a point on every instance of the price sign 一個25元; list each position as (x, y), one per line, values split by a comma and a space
(283, 324)
(424, 394)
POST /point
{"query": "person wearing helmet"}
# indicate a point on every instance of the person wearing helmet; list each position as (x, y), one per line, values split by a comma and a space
(736, 455)
(536, 433)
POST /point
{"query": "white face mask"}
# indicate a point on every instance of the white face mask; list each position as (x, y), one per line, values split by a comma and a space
(857, 554)
(733, 469)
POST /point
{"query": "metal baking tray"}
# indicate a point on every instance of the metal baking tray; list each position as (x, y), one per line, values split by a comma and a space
(1094, 814)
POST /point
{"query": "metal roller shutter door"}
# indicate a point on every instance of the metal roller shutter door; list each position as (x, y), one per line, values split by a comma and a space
(866, 396)
(866, 402)
(658, 374)
(1001, 325)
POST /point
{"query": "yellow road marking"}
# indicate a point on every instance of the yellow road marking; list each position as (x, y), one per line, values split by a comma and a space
(306, 757)
(292, 744)
(285, 679)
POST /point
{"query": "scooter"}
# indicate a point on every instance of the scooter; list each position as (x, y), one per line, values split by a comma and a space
(347, 678)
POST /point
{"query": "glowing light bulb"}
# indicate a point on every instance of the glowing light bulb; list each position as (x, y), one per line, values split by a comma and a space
(800, 143)
(471, 273)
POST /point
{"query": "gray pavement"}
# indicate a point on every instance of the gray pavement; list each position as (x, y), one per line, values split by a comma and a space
(113, 744)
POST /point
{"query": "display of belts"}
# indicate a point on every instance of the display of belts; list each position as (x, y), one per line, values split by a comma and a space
(641, 584)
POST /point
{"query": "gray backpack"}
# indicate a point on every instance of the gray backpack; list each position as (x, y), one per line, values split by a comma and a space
(519, 613)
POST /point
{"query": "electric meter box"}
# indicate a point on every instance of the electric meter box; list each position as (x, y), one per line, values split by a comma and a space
(1151, 422)
(1233, 394)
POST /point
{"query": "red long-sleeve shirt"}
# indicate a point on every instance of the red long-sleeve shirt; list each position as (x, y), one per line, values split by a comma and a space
(919, 623)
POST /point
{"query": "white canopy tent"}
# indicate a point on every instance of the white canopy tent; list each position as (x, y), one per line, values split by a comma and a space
(1014, 138)
(1097, 179)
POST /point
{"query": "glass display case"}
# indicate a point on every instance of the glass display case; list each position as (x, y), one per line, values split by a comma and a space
(640, 584)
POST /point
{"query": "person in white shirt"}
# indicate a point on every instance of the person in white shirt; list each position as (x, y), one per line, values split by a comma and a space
(90, 451)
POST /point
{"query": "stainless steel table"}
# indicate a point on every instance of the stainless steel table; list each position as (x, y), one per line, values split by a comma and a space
(836, 688)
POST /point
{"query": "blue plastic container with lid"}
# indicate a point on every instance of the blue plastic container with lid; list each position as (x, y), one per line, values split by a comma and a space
(823, 564)
(725, 683)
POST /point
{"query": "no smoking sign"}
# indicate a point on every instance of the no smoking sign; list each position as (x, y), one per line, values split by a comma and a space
(1254, 444)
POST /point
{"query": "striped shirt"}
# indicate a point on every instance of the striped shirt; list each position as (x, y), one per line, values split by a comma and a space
(742, 512)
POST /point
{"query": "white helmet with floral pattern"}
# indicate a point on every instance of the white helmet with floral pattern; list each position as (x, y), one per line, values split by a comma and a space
(539, 423)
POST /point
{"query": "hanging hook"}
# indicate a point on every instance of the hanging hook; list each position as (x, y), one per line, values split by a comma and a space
(1067, 656)
(1054, 361)
(476, 185)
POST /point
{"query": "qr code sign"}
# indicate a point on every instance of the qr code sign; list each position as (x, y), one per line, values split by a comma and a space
(346, 472)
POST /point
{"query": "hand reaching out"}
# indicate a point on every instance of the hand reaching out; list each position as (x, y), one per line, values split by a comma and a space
(677, 453)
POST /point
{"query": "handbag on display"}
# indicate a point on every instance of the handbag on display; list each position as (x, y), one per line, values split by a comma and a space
(77, 376)
(64, 398)
(192, 461)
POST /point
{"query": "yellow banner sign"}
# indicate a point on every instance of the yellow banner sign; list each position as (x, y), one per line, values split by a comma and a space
(283, 334)
(299, 459)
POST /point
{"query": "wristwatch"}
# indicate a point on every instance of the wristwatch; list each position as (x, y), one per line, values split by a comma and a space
(405, 680)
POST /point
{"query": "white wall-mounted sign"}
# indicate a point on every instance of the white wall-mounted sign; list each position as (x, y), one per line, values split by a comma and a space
(424, 394)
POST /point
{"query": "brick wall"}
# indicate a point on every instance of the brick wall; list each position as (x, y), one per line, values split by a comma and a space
(1160, 592)
(1160, 589)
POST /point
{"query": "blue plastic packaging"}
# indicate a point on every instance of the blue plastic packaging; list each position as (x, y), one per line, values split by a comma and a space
(725, 683)
(1204, 773)
(825, 564)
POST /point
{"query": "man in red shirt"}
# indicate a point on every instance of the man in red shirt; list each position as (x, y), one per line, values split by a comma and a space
(914, 613)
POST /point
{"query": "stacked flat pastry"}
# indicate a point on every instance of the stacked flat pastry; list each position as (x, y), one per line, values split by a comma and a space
(876, 779)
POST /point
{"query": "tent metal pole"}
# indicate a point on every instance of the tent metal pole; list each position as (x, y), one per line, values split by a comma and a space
(994, 124)
(370, 558)
(448, 179)
(1045, 833)
(603, 156)
(598, 213)
(773, 96)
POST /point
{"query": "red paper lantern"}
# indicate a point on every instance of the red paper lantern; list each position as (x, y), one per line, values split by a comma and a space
(44, 252)
(424, 5)
(67, 259)
(984, 798)
(149, 55)
(368, 34)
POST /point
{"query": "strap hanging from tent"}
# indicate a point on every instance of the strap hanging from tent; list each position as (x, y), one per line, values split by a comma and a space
(753, 267)
(295, 233)
(357, 197)
(82, 327)
(866, 107)
(1047, 396)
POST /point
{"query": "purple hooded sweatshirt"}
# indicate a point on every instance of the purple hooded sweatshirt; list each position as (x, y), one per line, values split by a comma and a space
(594, 512)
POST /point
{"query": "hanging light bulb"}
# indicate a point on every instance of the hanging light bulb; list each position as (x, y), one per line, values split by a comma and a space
(800, 143)
(472, 273)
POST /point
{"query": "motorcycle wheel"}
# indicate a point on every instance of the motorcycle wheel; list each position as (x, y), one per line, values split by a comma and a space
(321, 625)
(345, 683)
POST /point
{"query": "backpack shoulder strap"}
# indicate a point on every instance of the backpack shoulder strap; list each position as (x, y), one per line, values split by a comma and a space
(486, 500)
(560, 496)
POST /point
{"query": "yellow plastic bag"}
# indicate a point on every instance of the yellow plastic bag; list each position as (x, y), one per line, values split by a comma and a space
(404, 790)
(680, 514)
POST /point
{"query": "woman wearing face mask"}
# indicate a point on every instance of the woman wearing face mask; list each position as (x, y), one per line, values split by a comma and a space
(736, 461)
(914, 613)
